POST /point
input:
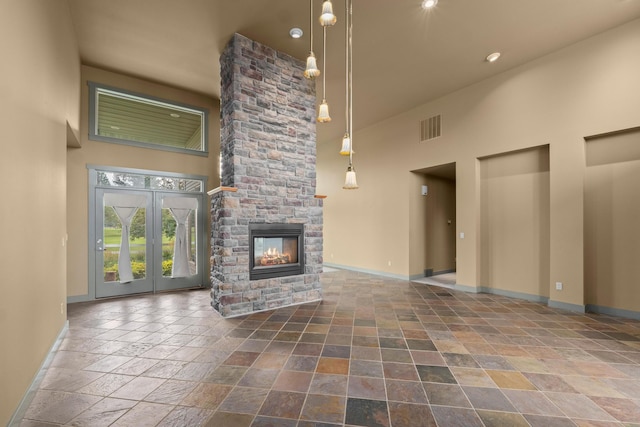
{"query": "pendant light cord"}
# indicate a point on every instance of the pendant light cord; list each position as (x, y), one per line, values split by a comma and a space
(311, 25)
(349, 18)
(346, 77)
(324, 63)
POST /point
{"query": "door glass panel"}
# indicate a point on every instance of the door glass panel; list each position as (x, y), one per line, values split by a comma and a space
(112, 236)
(138, 244)
(179, 237)
(168, 240)
(124, 238)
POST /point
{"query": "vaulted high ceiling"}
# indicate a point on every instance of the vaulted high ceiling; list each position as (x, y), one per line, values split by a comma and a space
(403, 55)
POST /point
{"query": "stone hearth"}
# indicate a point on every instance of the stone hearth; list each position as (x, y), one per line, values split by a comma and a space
(268, 149)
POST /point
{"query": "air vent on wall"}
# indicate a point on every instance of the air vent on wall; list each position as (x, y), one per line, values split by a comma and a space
(430, 128)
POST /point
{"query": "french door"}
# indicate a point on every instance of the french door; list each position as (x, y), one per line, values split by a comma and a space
(179, 241)
(124, 259)
(147, 241)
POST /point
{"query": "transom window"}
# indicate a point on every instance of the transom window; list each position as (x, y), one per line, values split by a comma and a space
(126, 118)
(141, 180)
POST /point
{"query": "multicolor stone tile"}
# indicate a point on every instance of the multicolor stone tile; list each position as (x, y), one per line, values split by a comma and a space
(374, 352)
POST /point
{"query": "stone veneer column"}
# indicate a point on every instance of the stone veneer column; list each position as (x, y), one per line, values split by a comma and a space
(268, 149)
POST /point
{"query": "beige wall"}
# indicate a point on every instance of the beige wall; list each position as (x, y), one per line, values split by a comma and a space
(514, 222)
(368, 228)
(557, 100)
(612, 228)
(116, 155)
(39, 94)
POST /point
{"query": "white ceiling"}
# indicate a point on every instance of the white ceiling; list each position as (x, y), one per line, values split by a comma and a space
(403, 56)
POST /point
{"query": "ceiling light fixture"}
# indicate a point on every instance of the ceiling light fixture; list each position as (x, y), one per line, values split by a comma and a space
(346, 144)
(295, 33)
(493, 57)
(327, 19)
(429, 4)
(345, 150)
(311, 70)
(174, 115)
(350, 182)
(323, 112)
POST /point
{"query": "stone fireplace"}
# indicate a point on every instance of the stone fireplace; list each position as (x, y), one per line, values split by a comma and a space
(266, 219)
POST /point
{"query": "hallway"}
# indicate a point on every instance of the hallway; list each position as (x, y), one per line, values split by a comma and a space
(375, 352)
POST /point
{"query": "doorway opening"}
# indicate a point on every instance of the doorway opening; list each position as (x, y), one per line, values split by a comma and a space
(433, 224)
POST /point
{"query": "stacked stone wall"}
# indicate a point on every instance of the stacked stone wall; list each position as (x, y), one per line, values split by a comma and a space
(268, 157)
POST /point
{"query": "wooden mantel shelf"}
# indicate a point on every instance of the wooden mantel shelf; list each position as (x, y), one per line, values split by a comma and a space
(320, 196)
(221, 189)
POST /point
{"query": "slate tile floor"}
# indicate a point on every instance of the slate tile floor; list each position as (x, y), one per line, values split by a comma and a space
(375, 352)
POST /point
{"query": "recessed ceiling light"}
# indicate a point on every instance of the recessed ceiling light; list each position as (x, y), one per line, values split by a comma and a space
(493, 57)
(114, 127)
(428, 4)
(174, 115)
(295, 33)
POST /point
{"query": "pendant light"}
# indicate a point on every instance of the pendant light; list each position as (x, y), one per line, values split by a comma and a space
(346, 139)
(350, 182)
(327, 18)
(323, 113)
(312, 69)
(346, 145)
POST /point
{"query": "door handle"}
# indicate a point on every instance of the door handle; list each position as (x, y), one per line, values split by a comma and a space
(99, 246)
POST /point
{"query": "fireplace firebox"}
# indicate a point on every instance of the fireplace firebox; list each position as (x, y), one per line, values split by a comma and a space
(275, 250)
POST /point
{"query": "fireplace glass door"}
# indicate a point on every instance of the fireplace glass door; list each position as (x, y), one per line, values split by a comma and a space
(276, 250)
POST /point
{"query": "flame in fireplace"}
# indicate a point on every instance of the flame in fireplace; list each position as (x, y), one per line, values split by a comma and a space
(273, 257)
